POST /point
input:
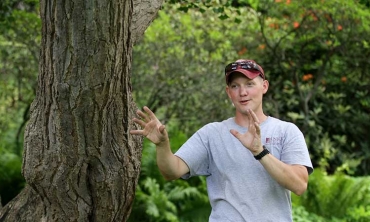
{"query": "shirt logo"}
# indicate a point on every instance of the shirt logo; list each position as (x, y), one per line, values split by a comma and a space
(274, 140)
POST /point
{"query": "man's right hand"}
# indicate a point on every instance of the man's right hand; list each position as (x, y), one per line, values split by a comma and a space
(152, 128)
(171, 166)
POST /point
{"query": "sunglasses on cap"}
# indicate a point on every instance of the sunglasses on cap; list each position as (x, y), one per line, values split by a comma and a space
(247, 65)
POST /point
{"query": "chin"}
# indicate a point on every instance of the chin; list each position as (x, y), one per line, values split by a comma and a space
(244, 110)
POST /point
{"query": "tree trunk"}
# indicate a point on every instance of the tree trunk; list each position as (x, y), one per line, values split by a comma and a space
(79, 161)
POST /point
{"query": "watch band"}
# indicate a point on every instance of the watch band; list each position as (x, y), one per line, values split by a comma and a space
(262, 154)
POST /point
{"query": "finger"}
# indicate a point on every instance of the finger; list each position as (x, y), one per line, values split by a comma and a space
(251, 121)
(235, 133)
(258, 129)
(140, 122)
(143, 115)
(162, 128)
(254, 116)
(150, 113)
(136, 132)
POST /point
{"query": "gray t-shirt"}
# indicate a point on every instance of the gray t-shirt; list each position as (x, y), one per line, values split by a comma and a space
(239, 188)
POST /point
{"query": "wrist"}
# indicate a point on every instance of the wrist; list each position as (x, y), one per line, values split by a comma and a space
(258, 150)
(263, 153)
(163, 143)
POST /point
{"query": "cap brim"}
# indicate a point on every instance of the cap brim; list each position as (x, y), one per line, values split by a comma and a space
(249, 74)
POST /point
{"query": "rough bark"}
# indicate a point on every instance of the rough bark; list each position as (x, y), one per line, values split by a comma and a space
(79, 161)
(144, 13)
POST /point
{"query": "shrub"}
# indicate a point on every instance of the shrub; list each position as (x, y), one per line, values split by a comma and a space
(11, 179)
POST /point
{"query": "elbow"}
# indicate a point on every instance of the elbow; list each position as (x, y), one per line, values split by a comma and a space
(300, 180)
(300, 189)
(169, 177)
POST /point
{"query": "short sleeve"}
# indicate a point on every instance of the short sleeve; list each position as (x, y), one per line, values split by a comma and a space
(295, 149)
(195, 153)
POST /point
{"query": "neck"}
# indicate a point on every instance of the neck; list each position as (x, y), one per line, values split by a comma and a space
(243, 119)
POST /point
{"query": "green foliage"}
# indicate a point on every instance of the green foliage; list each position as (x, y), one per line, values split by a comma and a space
(154, 202)
(316, 53)
(222, 8)
(300, 214)
(359, 214)
(337, 197)
(11, 179)
(175, 201)
(7, 7)
(19, 47)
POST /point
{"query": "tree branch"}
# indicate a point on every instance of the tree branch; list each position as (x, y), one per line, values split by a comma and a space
(144, 13)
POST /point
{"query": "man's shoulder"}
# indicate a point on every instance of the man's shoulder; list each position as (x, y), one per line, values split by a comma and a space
(276, 121)
(278, 124)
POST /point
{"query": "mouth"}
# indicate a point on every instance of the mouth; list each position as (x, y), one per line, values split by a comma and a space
(244, 102)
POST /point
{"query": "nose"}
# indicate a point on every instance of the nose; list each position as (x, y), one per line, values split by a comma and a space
(243, 91)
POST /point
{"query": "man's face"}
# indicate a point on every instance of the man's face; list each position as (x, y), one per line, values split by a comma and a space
(246, 93)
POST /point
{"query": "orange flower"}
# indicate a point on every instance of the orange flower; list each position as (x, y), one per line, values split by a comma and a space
(262, 46)
(307, 77)
(343, 79)
(296, 25)
(242, 51)
(274, 26)
(339, 27)
(287, 2)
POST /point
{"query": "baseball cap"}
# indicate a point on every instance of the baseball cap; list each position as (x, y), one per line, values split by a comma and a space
(244, 66)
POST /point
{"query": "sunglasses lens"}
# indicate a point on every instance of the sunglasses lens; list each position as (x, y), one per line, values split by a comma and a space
(242, 65)
(230, 67)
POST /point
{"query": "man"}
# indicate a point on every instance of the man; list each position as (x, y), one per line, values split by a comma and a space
(251, 161)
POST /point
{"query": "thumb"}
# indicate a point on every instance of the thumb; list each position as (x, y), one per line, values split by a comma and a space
(162, 128)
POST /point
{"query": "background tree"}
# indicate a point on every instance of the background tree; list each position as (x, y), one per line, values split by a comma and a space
(79, 162)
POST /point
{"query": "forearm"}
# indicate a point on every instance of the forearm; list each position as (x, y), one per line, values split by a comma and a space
(170, 166)
(292, 177)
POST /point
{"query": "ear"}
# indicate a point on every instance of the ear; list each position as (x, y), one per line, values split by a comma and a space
(265, 86)
(227, 89)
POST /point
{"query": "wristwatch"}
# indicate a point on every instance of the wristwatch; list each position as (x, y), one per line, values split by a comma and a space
(262, 154)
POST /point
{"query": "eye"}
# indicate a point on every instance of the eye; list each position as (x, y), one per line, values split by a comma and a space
(233, 86)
